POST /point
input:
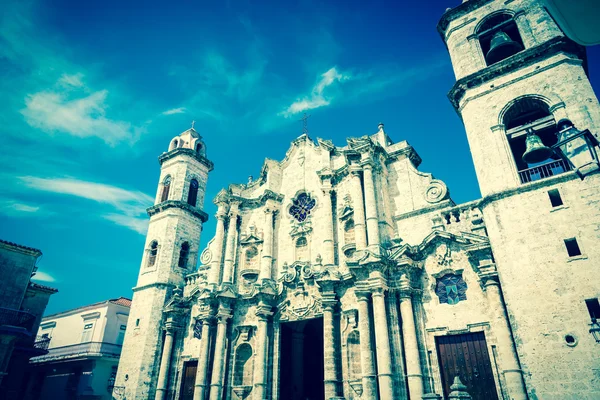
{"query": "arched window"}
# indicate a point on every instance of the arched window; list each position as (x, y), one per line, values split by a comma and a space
(531, 131)
(174, 144)
(302, 249)
(349, 232)
(153, 252)
(499, 38)
(166, 186)
(193, 193)
(183, 255)
(251, 258)
(199, 148)
(243, 367)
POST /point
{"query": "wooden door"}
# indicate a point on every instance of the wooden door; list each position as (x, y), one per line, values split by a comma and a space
(467, 356)
(189, 378)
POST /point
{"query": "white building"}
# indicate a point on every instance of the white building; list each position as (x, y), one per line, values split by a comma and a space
(344, 272)
(85, 344)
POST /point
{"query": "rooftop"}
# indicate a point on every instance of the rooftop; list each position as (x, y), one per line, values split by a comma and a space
(121, 301)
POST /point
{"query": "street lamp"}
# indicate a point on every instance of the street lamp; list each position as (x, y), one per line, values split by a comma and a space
(577, 148)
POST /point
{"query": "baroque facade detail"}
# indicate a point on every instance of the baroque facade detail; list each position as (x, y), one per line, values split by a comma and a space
(344, 272)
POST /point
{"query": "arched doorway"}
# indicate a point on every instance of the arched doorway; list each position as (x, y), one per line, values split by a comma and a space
(301, 363)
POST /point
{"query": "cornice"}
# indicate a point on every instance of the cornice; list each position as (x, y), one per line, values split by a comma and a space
(457, 12)
(188, 152)
(518, 61)
(165, 205)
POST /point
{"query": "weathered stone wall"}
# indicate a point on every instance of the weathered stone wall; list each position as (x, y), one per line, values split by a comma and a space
(545, 289)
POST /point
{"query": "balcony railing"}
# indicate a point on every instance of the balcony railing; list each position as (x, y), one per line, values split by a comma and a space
(17, 318)
(543, 171)
(89, 349)
(42, 343)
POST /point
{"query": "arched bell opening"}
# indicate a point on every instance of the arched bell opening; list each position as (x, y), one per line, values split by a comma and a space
(499, 38)
(531, 131)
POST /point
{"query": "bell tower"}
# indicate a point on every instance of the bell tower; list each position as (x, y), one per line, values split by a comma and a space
(170, 254)
(523, 92)
(518, 76)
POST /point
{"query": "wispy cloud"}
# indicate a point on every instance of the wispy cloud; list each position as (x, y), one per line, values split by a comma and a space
(140, 225)
(317, 97)
(179, 110)
(62, 109)
(130, 203)
(43, 277)
(15, 208)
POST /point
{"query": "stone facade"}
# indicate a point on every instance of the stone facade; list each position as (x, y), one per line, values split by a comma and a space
(347, 273)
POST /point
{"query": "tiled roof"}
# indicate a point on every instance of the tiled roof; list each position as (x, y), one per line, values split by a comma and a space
(21, 246)
(42, 287)
(122, 301)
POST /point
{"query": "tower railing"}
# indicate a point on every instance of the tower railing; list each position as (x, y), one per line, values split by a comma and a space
(543, 171)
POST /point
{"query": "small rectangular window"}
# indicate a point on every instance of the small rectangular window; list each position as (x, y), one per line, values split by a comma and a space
(137, 322)
(593, 307)
(555, 198)
(572, 247)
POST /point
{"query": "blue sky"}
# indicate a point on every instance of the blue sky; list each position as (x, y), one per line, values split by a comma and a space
(94, 91)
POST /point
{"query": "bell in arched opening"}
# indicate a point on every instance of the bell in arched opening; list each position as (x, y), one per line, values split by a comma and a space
(536, 151)
(501, 47)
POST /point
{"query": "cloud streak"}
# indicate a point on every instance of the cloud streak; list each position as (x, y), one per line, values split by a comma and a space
(130, 203)
(179, 110)
(318, 97)
(59, 110)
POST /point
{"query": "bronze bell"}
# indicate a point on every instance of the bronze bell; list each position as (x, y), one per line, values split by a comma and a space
(536, 151)
(501, 47)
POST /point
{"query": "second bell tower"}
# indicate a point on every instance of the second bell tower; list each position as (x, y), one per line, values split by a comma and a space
(170, 254)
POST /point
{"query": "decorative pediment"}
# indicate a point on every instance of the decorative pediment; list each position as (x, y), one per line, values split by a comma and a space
(420, 251)
(361, 144)
(177, 303)
(346, 211)
(252, 237)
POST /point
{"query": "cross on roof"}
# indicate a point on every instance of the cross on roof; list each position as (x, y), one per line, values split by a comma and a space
(304, 120)
(193, 122)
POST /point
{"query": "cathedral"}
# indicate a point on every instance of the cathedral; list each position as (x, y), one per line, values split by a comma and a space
(348, 273)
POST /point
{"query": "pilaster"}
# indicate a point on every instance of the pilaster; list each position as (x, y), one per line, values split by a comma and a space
(215, 268)
(359, 209)
(372, 218)
(218, 371)
(414, 374)
(382, 340)
(229, 266)
(366, 347)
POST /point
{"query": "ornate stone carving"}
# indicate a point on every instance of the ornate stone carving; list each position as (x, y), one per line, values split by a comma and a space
(206, 256)
(436, 191)
(443, 254)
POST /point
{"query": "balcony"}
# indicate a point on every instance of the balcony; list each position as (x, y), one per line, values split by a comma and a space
(543, 171)
(80, 350)
(42, 342)
(16, 318)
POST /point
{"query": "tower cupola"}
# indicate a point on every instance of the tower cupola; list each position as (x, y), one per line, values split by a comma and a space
(189, 139)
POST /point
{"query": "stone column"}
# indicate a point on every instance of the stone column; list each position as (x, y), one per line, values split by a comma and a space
(228, 268)
(382, 341)
(267, 250)
(215, 265)
(330, 354)
(359, 209)
(366, 347)
(370, 203)
(328, 251)
(411, 350)
(218, 371)
(509, 360)
(200, 389)
(165, 363)
(262, 342)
